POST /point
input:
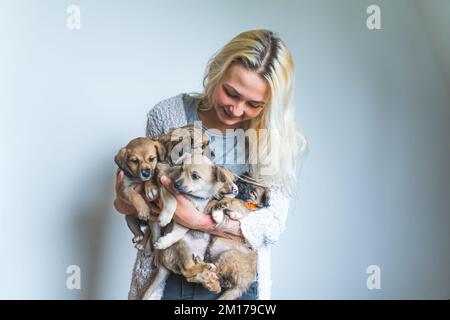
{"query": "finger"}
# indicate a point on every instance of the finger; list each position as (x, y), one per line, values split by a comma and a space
(138, 187)
(167, 182)
(119, 178)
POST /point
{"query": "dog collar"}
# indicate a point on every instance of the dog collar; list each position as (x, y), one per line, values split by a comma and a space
(196, 197)
(251, 205)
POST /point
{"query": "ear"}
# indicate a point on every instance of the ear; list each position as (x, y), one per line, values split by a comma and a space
(179, 134)
(266, 197)
(121, 158)
(161, 151)
(207, 152)
(182, 159)
(221, 174)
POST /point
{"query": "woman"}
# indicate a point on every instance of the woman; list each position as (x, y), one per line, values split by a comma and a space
(248, 85)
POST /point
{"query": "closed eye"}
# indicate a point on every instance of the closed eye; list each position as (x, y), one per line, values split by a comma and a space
(151, 159)
(231, 95)
(136, 161)
(255, 105)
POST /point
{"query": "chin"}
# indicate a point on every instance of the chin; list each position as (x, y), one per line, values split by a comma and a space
(229, 122)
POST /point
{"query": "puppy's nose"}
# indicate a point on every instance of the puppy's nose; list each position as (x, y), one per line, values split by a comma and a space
(145, 173)
(177, 185)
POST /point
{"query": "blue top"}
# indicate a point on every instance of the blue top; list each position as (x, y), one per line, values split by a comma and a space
(228, 152)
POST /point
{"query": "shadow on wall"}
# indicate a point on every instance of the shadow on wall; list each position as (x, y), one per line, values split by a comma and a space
(92, 224)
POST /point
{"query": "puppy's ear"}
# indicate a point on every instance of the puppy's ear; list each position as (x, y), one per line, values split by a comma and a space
(207, 152)
(222, 174)
(161, 151)
(121, 158)
(265, 200)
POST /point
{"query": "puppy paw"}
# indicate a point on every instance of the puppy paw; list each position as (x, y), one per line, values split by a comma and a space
(217, 216)
(139, 246)
(152, 193)
(138, 238)
(222, 205)
(210, 281)
(144, 215)
(164, 220)
(162, 243)
(211, 267)
(235, 215)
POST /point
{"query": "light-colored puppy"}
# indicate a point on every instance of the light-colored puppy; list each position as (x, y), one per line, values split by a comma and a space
(192, 179)
(177, 143)
(138, 160)
(199, 181)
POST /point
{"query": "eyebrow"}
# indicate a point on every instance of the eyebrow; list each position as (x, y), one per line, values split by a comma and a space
(229, 87)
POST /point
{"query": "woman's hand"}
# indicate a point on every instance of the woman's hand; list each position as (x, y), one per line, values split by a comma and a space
(187, 215)
(126, 208)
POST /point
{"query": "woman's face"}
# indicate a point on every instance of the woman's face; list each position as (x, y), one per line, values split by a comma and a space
(240, 95)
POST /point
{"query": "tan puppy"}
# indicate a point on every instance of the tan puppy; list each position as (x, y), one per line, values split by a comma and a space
(138, 160)
(193, 179)
(235, 261)
(199, 182)
(178, 142)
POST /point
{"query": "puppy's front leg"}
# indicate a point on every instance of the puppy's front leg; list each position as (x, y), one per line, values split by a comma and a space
(169, 206)
(134, 198)
(177, 233)
(133, 225)
(151, 190)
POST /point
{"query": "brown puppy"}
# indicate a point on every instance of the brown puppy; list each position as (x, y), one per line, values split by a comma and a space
(235, 261)
(199, 181)
(170, 146)
(138, 160)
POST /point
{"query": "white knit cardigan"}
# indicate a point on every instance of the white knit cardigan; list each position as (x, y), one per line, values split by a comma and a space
(260, 229)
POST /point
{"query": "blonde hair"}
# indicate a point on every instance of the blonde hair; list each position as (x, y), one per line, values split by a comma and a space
(263, 52)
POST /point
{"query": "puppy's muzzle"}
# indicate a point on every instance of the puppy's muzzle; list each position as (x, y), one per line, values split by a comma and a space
(234, 189)
(145, 174)
(178, 186)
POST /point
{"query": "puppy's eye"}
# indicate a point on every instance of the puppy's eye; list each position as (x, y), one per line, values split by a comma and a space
(195, 176)
(151, 159)
(135, 161)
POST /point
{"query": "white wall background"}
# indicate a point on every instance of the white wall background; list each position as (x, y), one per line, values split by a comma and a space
(374, 104)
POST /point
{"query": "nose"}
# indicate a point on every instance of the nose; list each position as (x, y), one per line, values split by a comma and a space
(177, 185)
(235, 189)
(145, 173)
(237, 110)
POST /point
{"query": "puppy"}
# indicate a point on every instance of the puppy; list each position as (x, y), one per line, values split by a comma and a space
(200, 191)
(235, 261)
(178, 142)
(138, 160)
(199, 182)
